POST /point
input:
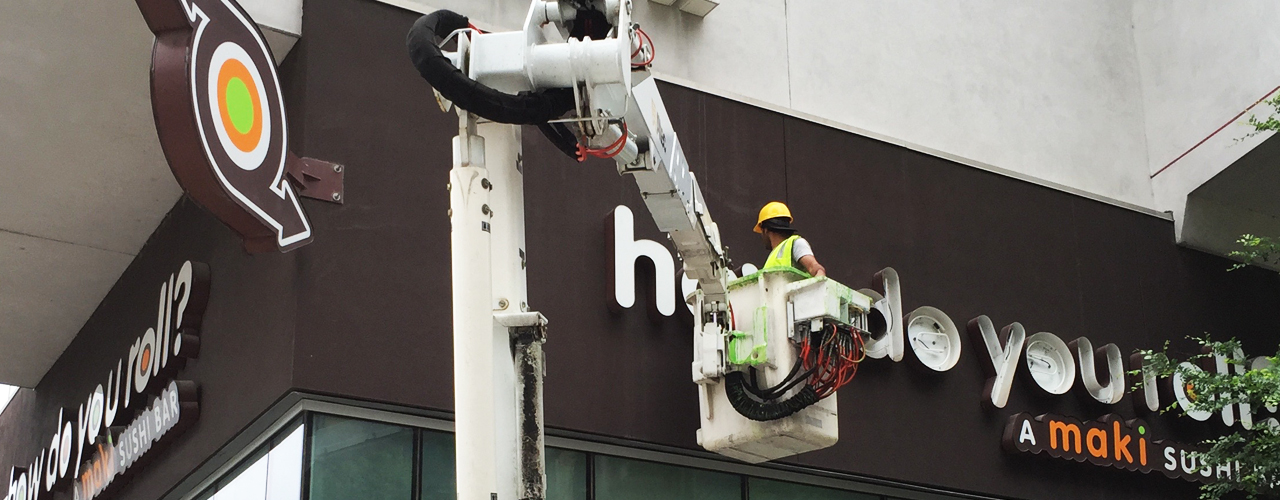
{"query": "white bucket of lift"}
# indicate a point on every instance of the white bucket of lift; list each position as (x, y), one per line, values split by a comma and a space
(760, 305)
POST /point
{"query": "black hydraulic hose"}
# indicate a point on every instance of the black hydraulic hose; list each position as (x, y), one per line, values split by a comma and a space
(791, 380)
(760, 411)
(561, 137)
(530, 108)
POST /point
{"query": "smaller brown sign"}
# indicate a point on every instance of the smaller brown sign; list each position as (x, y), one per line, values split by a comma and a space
(134, 407)
(1109, 441)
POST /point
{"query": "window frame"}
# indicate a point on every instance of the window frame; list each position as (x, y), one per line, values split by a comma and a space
(302, 408)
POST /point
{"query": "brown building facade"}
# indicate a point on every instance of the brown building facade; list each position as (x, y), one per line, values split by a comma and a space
(347, 341)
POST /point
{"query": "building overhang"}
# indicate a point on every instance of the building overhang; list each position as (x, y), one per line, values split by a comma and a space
(1238, 200)
(86, 182)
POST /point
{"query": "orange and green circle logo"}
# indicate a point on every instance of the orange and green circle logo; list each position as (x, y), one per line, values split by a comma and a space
(241, 108)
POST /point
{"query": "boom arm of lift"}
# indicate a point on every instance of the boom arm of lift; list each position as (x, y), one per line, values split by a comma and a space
(584, 58)
(579, 71)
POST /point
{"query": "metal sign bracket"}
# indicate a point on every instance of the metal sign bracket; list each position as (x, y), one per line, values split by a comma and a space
(316, 179)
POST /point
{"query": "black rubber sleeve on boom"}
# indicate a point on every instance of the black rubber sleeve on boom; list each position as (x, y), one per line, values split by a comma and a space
(561, 137)
(740, 398)
(525, 108)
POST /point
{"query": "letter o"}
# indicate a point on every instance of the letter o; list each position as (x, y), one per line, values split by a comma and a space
(146, 356)
(51, 462)
(64, 450)
(1050, 362)
(95, 414)
(934, 338)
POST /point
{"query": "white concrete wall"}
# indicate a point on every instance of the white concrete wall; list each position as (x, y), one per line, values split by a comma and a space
(1202, 63)
(1049, 90)
(280, 21)
(281, 15)
(6, 394)
(1045, 89)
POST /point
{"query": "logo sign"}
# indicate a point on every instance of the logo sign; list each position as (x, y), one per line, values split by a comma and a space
(221, 120)
(1042, 359)
(1109, 441)
(93, 445)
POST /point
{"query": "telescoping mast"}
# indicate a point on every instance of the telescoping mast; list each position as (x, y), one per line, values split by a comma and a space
(770, 348)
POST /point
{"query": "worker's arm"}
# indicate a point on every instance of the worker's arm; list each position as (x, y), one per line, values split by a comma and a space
(812, 266)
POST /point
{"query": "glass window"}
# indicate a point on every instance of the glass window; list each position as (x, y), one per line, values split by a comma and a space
(566, 470)
(765, 489)
(625, 479)
(272, 475)
(566, 475)
(250, 484)
(438, 469)
(284, 468)
(360, 459)
(366, 460)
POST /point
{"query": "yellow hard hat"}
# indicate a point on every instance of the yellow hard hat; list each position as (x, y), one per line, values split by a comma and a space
(771, 210)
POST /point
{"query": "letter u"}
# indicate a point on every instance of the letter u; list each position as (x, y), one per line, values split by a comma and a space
(111, 400)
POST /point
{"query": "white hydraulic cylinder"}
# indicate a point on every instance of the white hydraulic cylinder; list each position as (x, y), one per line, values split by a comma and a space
(510, 294)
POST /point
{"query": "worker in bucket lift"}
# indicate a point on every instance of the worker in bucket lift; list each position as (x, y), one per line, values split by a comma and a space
(786, 248)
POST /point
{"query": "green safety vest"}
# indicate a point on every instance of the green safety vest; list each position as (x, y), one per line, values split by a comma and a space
(781, 256)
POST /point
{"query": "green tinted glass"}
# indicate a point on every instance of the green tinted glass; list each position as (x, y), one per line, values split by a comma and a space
(438, 469)
(625, 479)
(360, 459)
(566, 470)
(764, 489)
(566, 475)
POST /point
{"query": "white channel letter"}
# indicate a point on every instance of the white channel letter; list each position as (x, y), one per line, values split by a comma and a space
(33, 476)
(164, 329)
(1228, 412)
(934, 338)
(96, 411)
(1026, 435)
(129, 367)
(1004, 351)
(1184, 399)
(891, 343)
(183, 283)
(1150, 400)
(51, 462)
(64, 448)
(82, 427)
(1114, 389)
(626, 251)
(1050, 363)
(1260, 363)
(142, 368)
(111, 403)
(1225, 367)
